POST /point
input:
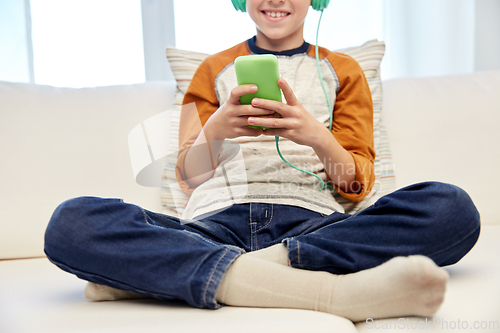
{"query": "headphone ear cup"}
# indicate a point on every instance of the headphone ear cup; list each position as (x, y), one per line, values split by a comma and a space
(319, 4)
(240, 5)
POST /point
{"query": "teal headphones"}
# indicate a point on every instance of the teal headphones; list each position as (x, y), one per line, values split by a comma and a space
(315, 4)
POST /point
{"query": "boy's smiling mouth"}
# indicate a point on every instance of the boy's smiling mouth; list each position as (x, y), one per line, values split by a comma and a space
(275, 15)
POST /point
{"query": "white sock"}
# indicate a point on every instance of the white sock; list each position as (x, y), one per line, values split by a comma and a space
(96, 292)
(277, 253)
(99, 292)
(402, 286)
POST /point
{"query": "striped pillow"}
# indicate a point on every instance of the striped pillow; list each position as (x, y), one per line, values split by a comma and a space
(369, 56)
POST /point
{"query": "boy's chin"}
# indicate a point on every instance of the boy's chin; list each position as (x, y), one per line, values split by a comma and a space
(274, 34)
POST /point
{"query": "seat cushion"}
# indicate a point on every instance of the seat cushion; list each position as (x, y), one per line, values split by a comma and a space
(36, 296)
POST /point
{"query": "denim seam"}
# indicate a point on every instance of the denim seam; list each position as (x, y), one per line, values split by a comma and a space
(192, 233)
(298, 253)
(292, 248)
(210, 279)
(270, 219)
(256, 241)
(147, 222)
(202, 238)
(250, 224)
(211, 276)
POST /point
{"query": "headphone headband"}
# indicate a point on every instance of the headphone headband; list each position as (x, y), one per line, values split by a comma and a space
(319, 4)
(315, 4)
(240, 5)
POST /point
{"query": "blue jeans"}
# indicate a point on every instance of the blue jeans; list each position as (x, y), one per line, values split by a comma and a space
(109, 242)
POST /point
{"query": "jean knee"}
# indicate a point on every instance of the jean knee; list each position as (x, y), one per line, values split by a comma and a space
(460, 222)
(459, 208)
(70, 225)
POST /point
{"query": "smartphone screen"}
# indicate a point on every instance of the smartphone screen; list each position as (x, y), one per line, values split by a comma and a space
(261, 70)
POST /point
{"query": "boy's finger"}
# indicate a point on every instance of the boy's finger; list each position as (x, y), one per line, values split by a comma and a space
(290, 97)
(271, 105)
(241, 90)
(272, 122)
(250, 110)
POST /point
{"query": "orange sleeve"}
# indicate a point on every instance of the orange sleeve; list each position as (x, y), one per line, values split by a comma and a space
(353, 122)
(200, 102)
(201, 92)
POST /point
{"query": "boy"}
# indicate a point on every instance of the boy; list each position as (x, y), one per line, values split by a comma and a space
(265, 243)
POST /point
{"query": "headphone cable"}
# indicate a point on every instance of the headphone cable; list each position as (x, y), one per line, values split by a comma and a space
(276, 138)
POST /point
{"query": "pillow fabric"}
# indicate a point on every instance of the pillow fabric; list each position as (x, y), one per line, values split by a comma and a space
(369, 56)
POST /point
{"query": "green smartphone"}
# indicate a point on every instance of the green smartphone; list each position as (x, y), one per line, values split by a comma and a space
(261, 70)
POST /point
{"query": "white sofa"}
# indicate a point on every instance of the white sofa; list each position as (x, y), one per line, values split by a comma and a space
(58, 143)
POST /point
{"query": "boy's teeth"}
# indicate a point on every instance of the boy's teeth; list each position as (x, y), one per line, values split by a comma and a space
(275, 14)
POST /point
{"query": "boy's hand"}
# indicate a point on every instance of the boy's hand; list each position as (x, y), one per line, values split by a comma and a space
(297, 123)
(231, 119)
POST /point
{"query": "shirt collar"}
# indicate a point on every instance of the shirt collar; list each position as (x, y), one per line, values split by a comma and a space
(257, 50)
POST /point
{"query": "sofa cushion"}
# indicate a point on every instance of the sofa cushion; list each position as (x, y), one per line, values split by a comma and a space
(446, 129)
(59, 143)
(36, 296)
(369, 55)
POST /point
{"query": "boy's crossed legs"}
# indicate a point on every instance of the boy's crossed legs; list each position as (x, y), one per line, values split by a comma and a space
(412, 285)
